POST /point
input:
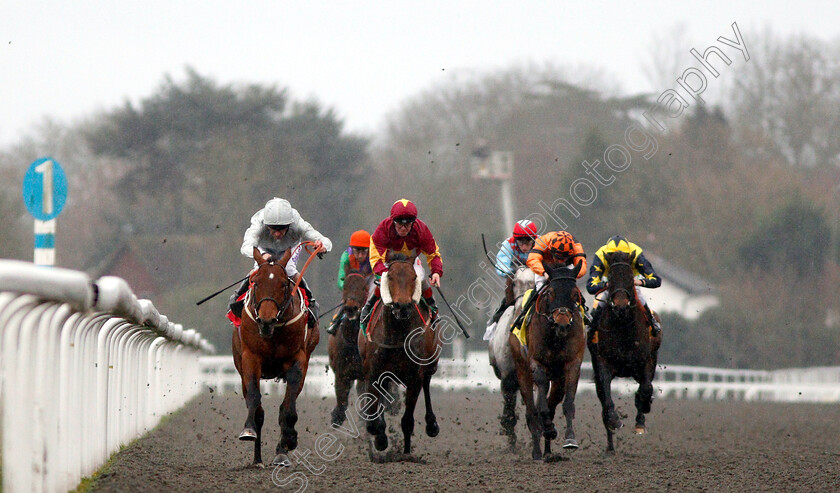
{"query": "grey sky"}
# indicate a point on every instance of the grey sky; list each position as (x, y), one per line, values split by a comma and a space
(68, 59)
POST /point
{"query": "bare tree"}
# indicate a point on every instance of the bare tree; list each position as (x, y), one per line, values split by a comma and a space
(787, 100)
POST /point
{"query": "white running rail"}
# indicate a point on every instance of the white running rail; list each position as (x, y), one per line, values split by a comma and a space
(84, 368)
(671, 382)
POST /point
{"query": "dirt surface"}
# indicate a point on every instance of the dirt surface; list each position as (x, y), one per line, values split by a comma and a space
(692, 446)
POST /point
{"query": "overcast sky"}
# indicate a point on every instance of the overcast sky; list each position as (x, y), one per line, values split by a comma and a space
(68, 59)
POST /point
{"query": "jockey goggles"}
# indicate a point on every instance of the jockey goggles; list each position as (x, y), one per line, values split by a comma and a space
(404, 221)
(278, 227)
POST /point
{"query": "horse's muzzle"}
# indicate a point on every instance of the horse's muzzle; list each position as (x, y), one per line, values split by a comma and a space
(401, 311)
(266, 327)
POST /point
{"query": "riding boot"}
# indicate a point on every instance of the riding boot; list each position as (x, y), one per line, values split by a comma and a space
(237, 306)
(655, 327)
(336, 321)
(433, 309)
(364, 318)
(593, 323)
(313, 304)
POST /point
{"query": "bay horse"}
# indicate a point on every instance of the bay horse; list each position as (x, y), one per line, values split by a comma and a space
(552, 359)
(402, 347)
(273, 341)
(343, 347)
(622, 345)
(501, 356)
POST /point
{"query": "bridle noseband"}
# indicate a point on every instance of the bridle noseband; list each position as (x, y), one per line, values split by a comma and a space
(281, 308)
(631, 294)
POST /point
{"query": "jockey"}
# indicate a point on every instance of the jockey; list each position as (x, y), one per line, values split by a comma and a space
(512, 254)
(554, 248)
(354, 258)
(403, 233)
(646, 277)
(558, 247)
(275, 229)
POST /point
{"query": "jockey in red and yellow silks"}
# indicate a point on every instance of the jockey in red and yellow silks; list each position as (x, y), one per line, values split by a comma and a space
(402, 232)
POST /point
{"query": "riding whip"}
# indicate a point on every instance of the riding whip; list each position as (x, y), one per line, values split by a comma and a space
(221, 290)
(492, 262)
(466, 334)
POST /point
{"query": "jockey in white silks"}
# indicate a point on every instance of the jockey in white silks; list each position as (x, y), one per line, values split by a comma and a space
(274, 229)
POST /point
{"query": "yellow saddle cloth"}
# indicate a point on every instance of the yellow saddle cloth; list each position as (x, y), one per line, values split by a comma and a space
(521, 331)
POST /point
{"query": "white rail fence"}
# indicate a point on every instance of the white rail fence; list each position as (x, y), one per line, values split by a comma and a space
(84, 368)
(672, 382)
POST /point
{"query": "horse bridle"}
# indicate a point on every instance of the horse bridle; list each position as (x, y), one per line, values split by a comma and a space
(563, 310)
(630, 295)
(281, 309)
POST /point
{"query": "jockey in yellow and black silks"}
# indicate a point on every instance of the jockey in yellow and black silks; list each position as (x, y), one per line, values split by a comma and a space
(599, 273)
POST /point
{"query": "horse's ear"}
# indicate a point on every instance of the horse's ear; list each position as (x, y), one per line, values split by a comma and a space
(578, 267)
(285, 259)
(346, 269)
(258, 256)
(633, 258)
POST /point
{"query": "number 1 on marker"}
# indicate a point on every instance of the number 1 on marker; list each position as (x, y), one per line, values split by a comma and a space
(46, 169)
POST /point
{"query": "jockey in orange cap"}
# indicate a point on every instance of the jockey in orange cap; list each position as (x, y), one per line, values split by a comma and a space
(402, 232)
(357, 258)
(554, 248)
(558, 247)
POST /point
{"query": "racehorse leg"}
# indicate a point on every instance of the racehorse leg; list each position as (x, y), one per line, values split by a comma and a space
(375, 421)
(251, 371)
(543, 408)
(571, 379)
(644, 398)
(526, 390)
(555, 395)
(342, 391)
(603, 380)
(412, 393)
(288, 412)
(432, 428)
(508, 418)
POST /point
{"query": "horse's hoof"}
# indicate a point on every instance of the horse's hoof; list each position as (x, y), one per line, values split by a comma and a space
(432, 429)
(640, 430)
(281, 460)
(571, 444)
(615, 425)
(536, 455)
(380, 442)
(248, 435)
(337, 418)
(258, 465)
(550, 433)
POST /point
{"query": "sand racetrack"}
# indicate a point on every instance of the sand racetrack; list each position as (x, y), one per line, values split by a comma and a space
(692, 446)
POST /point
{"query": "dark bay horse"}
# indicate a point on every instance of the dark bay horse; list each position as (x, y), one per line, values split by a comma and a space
(622, 345)
(552, 359)
(272, 342)
(401, 348)
(343, 347)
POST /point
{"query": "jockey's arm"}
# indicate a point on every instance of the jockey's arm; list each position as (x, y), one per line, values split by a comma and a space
(308, 233)
(596, 280)
(504, 260)
(650, 279)
(343, 266)
(535, 262)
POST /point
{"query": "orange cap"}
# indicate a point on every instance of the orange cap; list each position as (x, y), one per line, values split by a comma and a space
(360, 239)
